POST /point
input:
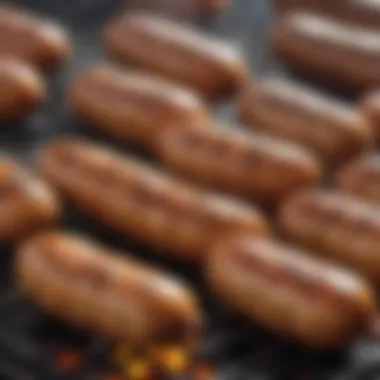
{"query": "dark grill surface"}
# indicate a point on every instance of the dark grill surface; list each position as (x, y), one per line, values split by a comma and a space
(35, 347)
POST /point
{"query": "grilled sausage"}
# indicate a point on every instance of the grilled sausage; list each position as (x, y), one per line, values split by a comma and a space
(132, 106)
(361, 178)
(169, 49)
(362, 12)
(295, 112)
(337, 226)
(143, 203)
(297, 296)
(369, 107)
(337, 52)
(88, 285)
(252, 165)
(29, 37)
(21, 89)
(26, 203)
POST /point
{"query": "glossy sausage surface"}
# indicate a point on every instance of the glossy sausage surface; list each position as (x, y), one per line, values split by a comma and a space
(338, 52)
(96, 288)
(21, 89)
(290, 292)
(337, 226)
(295, 112)
(26, 203)
(252, 165)
(133, 106)
(361, 178)
(363, 12)
(144, 203)
(32, 38)
(175, 51)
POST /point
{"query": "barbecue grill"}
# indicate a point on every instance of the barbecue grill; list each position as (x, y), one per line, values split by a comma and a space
(34, 346)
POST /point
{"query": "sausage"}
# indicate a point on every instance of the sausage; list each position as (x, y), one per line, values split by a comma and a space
(132, 106)
(337, 226)
(21, 89)
(338, 52)
(26, 203)
(164, 47)
(361, 178)
(362, 12)
(295, 112)
(369, 107)
(316, 303)
(252, 165)
(141, 202)
(32, 38)
(93, 287)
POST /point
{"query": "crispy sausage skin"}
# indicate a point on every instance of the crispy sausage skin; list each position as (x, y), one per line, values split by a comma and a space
(142, 202)
(295, 112)
(133, 106)
(363, 12)
(337, 226)
(21, 89)
(361, 178)
(338, 52)
(164, 47)
(255, 166)
(29, 37)
(90, 286)
(26, 203)
(290, 292)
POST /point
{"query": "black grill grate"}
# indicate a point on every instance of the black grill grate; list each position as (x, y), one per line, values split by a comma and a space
(30, 342)
(31, 345)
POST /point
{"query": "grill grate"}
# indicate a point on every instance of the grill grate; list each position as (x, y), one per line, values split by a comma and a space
(45, 348)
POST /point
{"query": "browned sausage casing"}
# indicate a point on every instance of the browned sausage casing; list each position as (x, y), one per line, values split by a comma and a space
(21, 89)
(295, 112)
(172, 50)
(362, 12)
(133, 106)
(253, 165)
(142, 202)
(26, 203)
(296, 295)
(338, 52)
(362, 178)
(90, 286)
(336, 225)
(29, 37)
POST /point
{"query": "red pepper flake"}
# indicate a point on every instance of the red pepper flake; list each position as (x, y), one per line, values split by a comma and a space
(68, 361)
